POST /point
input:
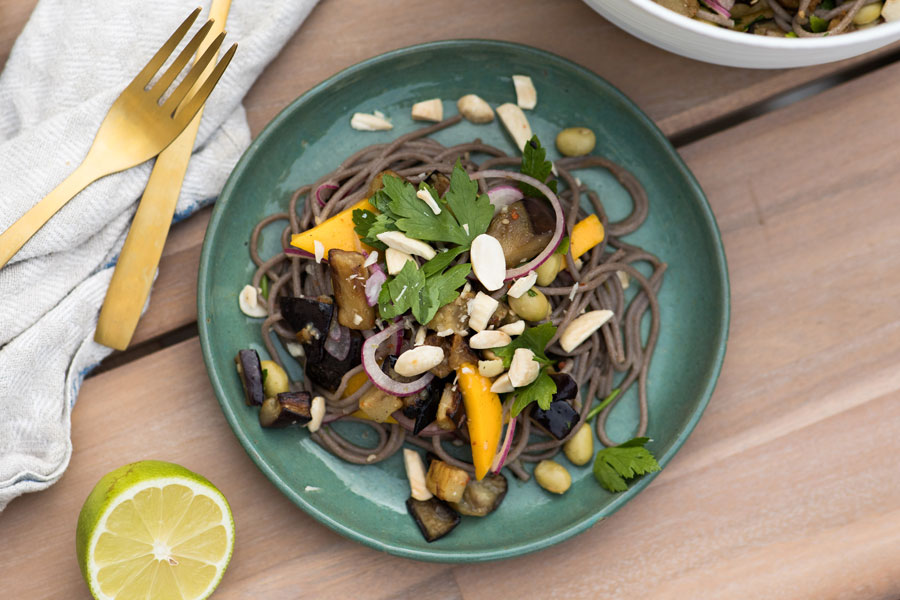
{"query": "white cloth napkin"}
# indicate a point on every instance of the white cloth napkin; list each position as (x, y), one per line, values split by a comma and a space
(67, 67)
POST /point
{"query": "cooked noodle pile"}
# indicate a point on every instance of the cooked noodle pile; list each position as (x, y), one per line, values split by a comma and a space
(618, 347)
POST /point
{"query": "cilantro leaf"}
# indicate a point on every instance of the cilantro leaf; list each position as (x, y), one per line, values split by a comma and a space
(442, 260)
(563, 247)
(540, 390)
(411, 290)
(534, 338)
(612, 466)
(265, 374)
(368, 225)
(535, 164)
(473, 212)
(264, 287)
(603, 404)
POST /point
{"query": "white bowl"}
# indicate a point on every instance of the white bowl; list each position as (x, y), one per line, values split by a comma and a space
(676, 33)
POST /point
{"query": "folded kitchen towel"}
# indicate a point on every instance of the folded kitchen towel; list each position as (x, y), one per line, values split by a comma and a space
(67, 67)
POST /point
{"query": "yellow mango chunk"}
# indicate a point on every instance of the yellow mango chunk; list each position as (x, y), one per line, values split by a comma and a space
(484, 416)
(360, 414)
(585, 235)
(355, 383)
(336, 232)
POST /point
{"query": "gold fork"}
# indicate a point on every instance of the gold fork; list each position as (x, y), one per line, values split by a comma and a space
(137, 127)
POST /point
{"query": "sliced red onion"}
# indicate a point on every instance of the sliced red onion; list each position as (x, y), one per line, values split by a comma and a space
(714, 4)
(409, 424)
(558, 232)
(298, 252)
(504, 195)
(338, 346)
(378, 377)
(327, 186)
(500, 458)
(376, 279)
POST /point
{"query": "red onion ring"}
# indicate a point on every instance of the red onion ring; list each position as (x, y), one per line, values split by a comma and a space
(500, 458)
(558, 232)
(298, 252)
(504, 195)
(713, 4)
(327, 186)
(378, 377)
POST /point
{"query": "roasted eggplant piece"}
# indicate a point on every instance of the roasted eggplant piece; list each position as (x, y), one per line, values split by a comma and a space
(250, 371)
(348, 279)
(454, 316)
(379, 405)
(440, 183)
(434, 518)
(377, 183)
(422, 407)
(286, 409)
(450, 409)
(446, 481)
(521, 234)
(329, 371)
(460, 353)
(311, 320)
(559, 419)
(331, 350)
(566, 388)
(482, 497)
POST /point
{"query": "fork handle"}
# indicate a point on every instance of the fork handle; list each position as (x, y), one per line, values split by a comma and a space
(12, 240)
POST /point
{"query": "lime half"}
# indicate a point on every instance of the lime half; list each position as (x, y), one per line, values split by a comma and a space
(154, 529)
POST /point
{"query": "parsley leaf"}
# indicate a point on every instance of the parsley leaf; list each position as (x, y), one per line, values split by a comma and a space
(368, 225)
(535, 164)
(563, 247)
(612, 466)
(416, 219)
(540, 390)
(534, 338)
(473, 211)
(265, 373)
(411, 290)
(264, 287)
(440, 262)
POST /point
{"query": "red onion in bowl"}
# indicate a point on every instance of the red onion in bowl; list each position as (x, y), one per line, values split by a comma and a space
(504, 195)
(713, 4)
(376, 279)
(327, 186)
(378, 377)
(558, 232)
(502, 453)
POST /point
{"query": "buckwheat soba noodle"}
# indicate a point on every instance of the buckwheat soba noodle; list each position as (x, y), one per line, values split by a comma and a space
(598, 280)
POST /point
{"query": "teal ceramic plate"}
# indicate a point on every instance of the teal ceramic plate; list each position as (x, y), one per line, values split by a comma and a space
(312, 135)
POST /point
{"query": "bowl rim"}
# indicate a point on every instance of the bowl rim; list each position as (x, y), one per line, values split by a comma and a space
(886, 31)
(439, 555)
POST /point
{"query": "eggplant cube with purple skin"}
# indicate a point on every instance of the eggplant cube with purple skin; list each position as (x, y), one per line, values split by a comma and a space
(249, 369)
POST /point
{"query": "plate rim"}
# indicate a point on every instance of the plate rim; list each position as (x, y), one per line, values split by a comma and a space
(436, 554)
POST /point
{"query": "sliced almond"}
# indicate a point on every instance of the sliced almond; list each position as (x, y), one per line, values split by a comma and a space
(416, 361)
(516, 328)
(319, 250)
(582, 327)
(400, 241)
(248, 301)
(516, 123)
(475, 109)
(490, 368)
(317, 412)
(425, 196)
(480, 309)
(488, 261)
(523, 369)
(428, 110)
(371, 259)
(526, 95)
(367, 122)
(415, 473)
(395, 259)
(624, 279)
(522, 285)
(502, 385)
(489, 338)
(420, 336)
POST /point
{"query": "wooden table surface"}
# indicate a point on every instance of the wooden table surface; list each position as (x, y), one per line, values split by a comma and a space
(788, 488)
